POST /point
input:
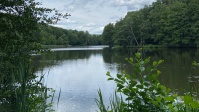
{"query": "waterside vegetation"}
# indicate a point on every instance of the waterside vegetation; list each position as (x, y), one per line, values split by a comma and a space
(24, 29)
(20, 89)
(23, 91)
(141, 91)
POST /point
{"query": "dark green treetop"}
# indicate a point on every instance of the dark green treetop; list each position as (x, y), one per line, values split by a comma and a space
(107, 34)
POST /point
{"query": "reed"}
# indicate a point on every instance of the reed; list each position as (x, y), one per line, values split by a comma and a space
(115, 100)
(100, 102)
(23, 91)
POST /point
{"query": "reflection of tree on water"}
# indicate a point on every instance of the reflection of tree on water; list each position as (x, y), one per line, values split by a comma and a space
(193, 79)
(115, 58)
(57, 57)
(175, 69)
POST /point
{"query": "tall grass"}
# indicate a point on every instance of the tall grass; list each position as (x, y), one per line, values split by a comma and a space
(115, 101)
(23, 91)
(100, 102)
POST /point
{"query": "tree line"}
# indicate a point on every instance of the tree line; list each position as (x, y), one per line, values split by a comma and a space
(50, 35)
(171, 23)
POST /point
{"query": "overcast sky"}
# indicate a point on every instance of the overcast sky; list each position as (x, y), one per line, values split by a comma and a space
(93, 15)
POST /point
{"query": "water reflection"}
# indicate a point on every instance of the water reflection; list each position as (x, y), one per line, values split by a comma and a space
(177, 66)
(80, 72)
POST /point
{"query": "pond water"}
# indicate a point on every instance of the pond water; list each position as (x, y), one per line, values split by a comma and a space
(80, 71)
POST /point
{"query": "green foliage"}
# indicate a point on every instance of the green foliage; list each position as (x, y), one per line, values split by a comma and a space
(195, 63)
(20, 90)
(57, 36)
(143, 92)
(19, 20)
(25, 92)
(107, 34)
(172, 23)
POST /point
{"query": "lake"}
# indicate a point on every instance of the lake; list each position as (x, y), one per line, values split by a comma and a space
(80, 71)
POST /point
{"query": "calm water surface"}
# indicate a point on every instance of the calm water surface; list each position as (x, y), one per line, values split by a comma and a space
(80, 72)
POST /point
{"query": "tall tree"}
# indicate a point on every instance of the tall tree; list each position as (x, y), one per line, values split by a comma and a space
(107, 34)
(19, 20)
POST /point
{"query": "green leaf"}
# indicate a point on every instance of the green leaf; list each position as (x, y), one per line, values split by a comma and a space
(155, 63)
(132, 84)
(110, 78)
(120, 86)
(131, 59)
(126, 90)
(171, 107)
(148, 69)
(140, 86)
(138, 55)
(137, 64)
(118, 81)
(160, 61)
(188, 99)
(147, 60)
(195, 64)
(108, 74)
(129, 98)
(158, 99)
(119, 76)
(158, 72)
(141, 62)
(154, 102)
(195, 104)
(127, 76)
(169, 98)
(143, 94)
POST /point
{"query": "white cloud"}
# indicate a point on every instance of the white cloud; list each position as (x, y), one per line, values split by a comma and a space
(66, 21)
(133, 4)
(90, 24)
(93, 15)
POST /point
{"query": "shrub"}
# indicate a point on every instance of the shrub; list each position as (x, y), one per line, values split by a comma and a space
(143, 92)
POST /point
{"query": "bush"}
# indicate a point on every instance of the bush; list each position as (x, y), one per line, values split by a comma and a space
(143, 92)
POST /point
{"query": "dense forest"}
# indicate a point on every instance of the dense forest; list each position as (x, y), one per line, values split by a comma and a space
(171, 23)
(50, 35)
